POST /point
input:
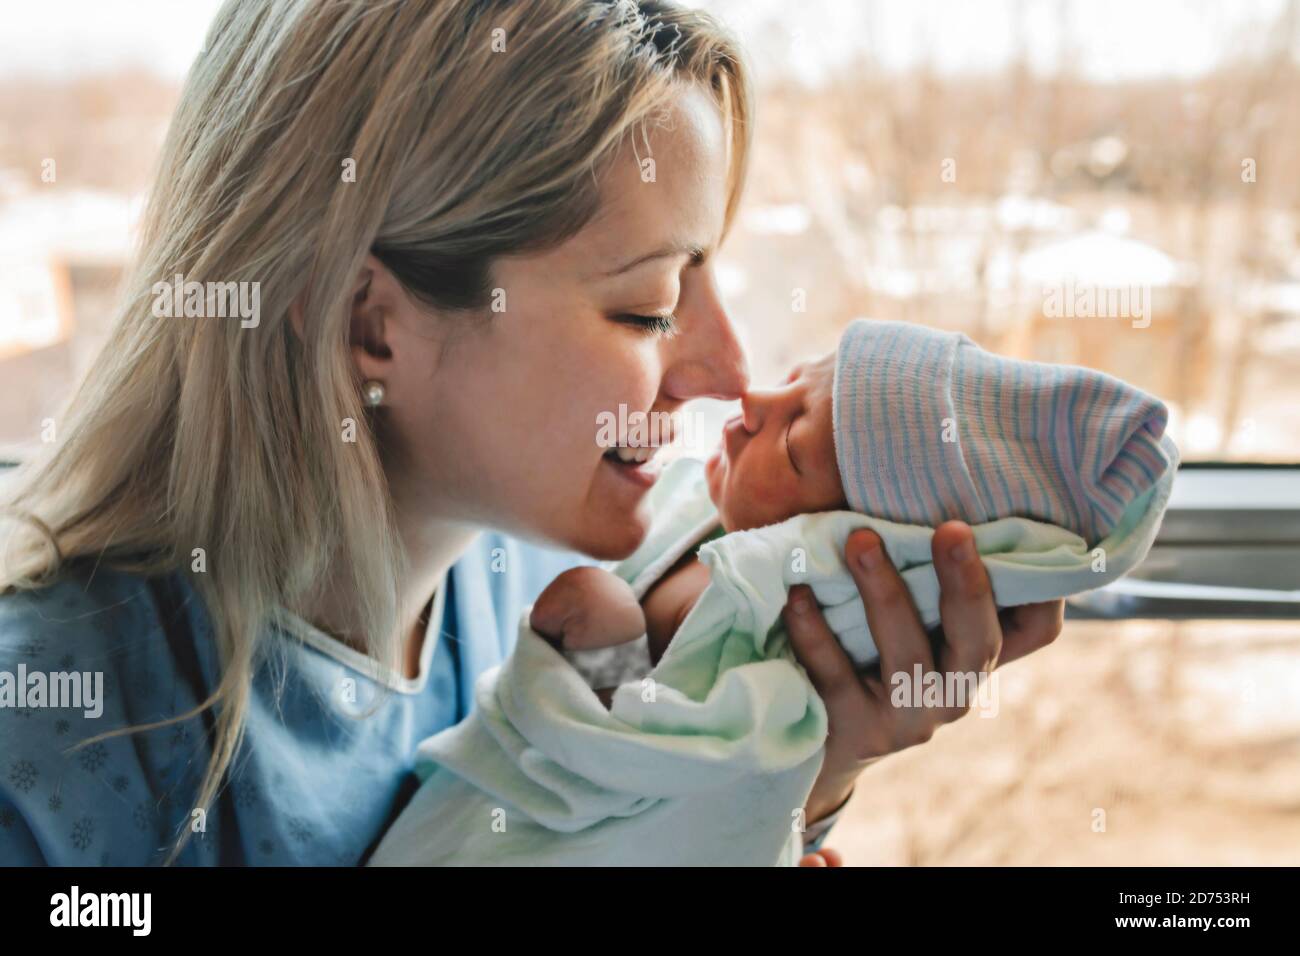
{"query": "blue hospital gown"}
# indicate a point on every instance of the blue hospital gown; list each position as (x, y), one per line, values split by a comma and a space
(316, 780)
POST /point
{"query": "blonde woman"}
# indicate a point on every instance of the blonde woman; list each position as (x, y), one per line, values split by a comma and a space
(289, 545)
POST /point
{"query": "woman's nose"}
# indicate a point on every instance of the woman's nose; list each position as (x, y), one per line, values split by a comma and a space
(707, 358)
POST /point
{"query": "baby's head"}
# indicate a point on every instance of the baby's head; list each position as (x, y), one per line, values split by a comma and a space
(920, 426)
(777, 458)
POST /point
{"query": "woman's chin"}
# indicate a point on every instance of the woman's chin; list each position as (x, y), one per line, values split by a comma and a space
(615, 537)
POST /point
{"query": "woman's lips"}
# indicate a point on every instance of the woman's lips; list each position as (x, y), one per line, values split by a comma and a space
(639, 461)
(642, 474)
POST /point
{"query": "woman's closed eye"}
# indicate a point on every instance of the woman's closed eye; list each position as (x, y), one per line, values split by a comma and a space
(665, 324)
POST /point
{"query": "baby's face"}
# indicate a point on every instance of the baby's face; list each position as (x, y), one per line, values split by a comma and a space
(777, 458)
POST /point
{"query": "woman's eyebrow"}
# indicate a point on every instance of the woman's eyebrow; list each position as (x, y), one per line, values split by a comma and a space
(693, 250)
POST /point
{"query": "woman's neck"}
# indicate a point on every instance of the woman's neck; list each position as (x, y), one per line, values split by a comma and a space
(430, 546)
(430, 552)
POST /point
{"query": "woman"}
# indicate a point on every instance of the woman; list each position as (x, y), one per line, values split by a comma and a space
(471, 228)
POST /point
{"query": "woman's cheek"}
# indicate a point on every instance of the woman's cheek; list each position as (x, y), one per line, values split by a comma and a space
(627, 392)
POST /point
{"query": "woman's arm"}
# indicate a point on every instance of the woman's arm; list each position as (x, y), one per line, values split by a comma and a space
(864, 724)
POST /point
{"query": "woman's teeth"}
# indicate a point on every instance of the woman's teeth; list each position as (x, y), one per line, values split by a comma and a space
(630, 456)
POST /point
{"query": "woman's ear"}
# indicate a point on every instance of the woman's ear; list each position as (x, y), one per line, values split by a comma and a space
(368, 311)
(384, 323)
(360, 294)
(369, 320)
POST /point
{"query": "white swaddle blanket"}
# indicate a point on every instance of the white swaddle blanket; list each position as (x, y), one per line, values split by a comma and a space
(708, 759)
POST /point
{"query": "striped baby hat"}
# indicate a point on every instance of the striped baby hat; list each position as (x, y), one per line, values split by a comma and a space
(930, 427)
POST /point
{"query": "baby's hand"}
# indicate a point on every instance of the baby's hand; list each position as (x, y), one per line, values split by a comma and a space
(586, 608)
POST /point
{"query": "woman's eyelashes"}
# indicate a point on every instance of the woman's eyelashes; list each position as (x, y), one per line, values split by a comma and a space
(651, 324)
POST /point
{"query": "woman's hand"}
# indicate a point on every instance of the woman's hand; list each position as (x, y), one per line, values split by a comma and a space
(864, 724)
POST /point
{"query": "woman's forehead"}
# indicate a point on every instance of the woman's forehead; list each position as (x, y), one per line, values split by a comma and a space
(666, 191)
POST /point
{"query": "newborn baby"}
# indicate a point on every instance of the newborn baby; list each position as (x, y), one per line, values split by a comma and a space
(1063, 473)
(902, 423)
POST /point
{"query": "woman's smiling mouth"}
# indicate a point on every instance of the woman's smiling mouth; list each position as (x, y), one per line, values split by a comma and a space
(636, 457)
(629, 455)
(641, 466)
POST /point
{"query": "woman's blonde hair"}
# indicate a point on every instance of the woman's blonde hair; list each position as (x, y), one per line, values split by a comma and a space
(437, 134)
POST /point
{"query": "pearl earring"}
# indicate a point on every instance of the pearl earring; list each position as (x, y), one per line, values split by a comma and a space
(374, 393)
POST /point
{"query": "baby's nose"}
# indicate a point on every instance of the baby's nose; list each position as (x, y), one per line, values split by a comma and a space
(753, 409)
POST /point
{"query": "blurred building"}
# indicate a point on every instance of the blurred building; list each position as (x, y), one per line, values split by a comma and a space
(63, 252)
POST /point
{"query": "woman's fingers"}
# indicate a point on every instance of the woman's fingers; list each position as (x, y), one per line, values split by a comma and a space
(895, 625)
(865, 722)
(1030, 627)
(861, 724)
(829, 668)
(971, 629)
(860, 728)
